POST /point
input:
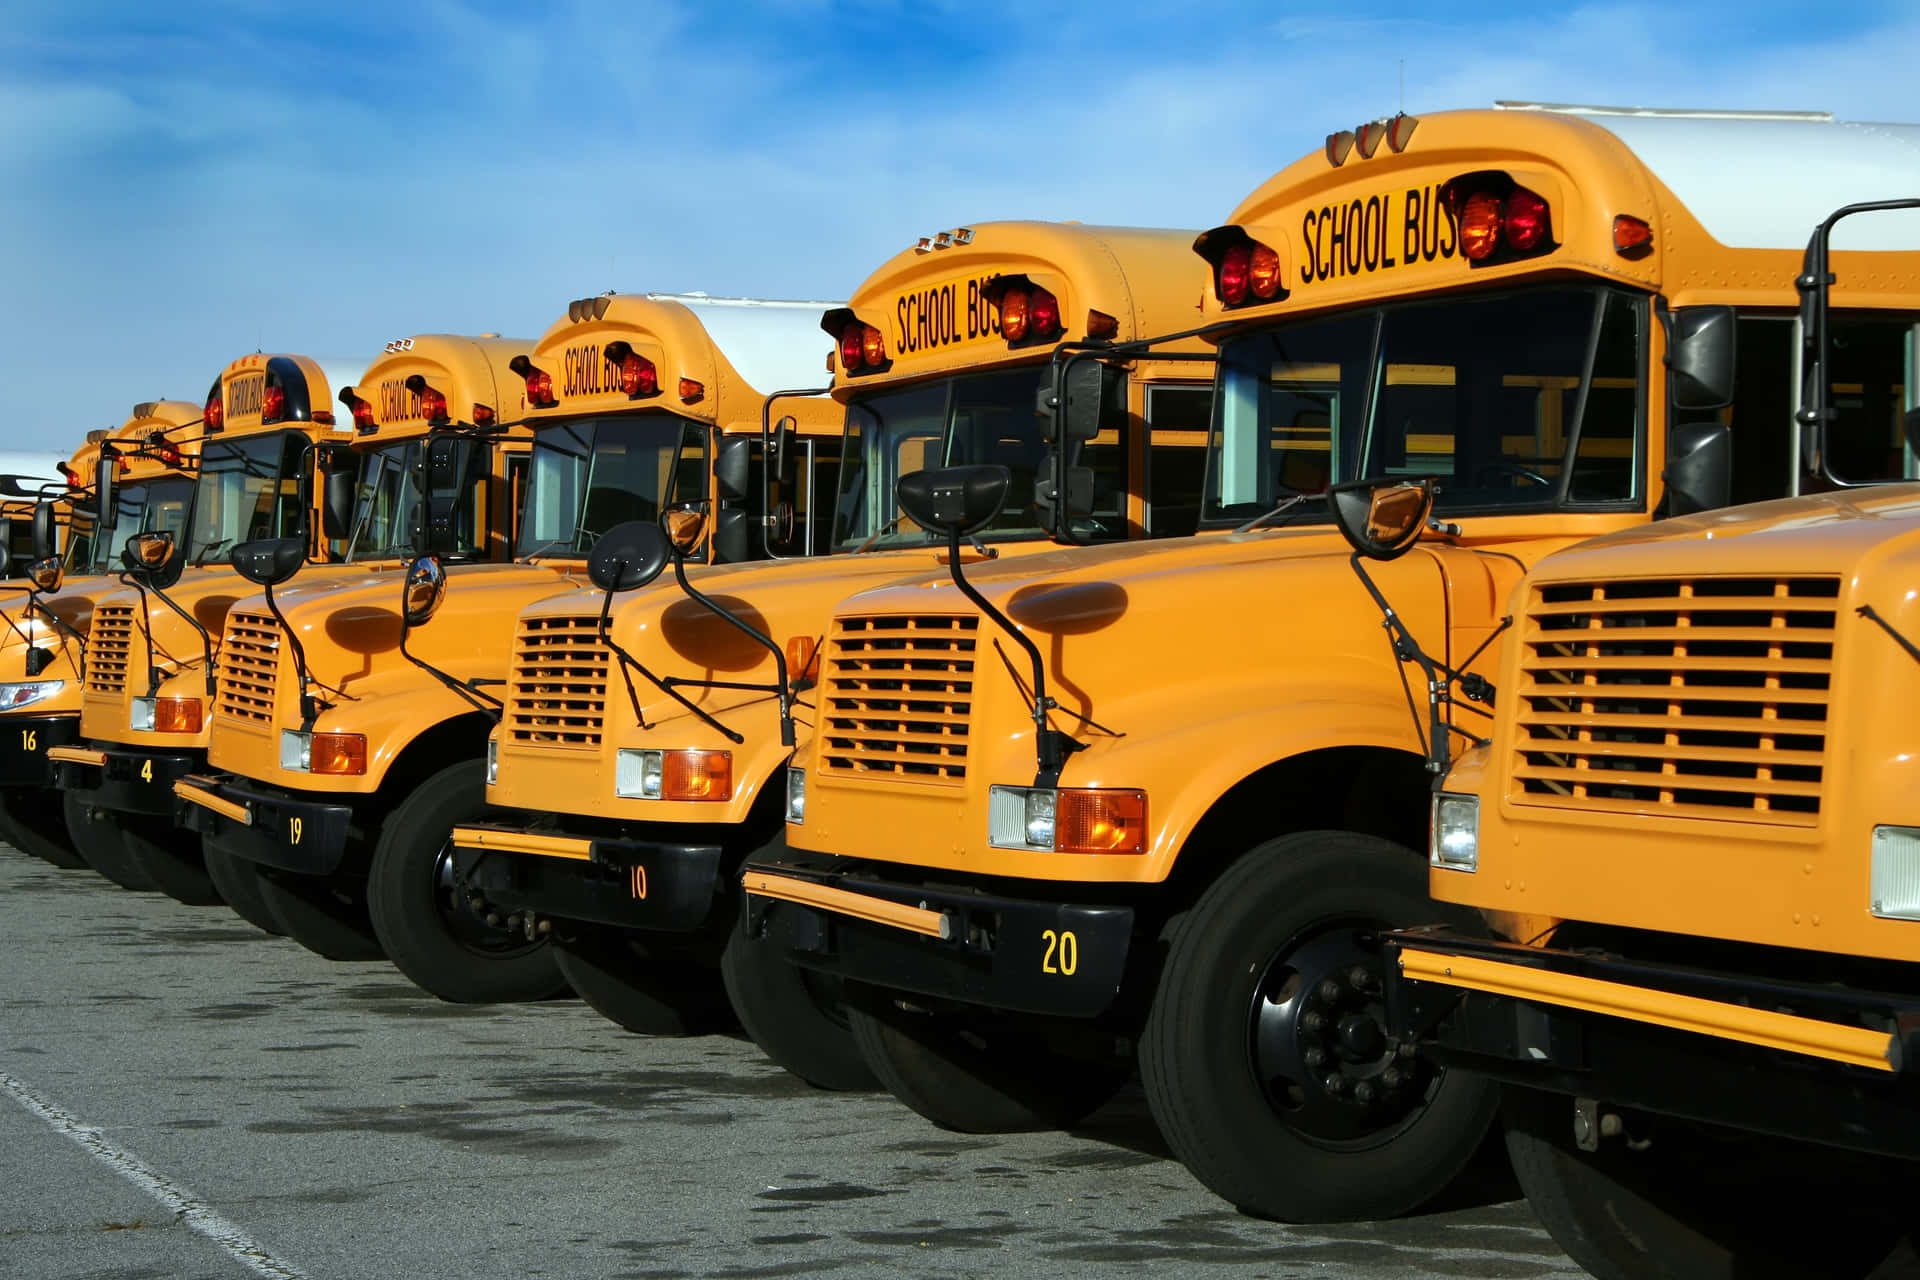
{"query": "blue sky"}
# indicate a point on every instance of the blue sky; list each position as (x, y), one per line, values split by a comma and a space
(179, 188)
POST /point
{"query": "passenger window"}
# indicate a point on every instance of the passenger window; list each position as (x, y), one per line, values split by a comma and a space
(1177, 421)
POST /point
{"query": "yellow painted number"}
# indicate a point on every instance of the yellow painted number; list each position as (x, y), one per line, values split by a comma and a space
(30, 739)
(1063, 952)
(293, 829)
(146, 771)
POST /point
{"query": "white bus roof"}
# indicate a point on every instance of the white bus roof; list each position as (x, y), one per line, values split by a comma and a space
(1765, 179)
(777, 345)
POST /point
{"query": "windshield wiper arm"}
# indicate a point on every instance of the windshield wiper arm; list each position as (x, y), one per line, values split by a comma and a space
(1290, 501)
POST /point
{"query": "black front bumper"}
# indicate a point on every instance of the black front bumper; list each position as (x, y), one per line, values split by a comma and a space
(130, 780)
(1025, 954)
(282, 830)
(633, 884)
(1628, 1062)
(23, 747)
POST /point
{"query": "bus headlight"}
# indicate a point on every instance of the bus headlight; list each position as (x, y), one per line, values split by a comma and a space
(493, 762)
(1455, 842)
(1895, 881)
(337, 754)
(28, 692)
(796, 795)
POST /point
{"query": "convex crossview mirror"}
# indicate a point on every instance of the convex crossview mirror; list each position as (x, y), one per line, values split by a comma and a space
(685, 527)
(421, 592)
(628, 556)
(1382, 519)
(954, 501)
(45, 573)
(152, 558)
(268, 562)
(1700, 357)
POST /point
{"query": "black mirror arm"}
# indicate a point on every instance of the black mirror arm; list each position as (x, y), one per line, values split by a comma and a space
(310, 706)
(629, 662)
(779, 654)
(485, 703)
(59, 623)
(1440, 676)
(206, 641)
(1051, 745)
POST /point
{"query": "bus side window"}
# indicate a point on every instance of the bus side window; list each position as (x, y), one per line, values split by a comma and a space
(1177, 423)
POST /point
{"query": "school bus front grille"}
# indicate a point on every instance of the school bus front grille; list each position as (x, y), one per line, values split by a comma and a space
(110, 649)
(249, 667)
(557, 696)
(1681, 697)
(895, 697)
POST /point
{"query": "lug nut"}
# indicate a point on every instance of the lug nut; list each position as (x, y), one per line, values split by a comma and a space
(1392, 1078)
(1335, 1085)
(1363, 1092)
(1313, 1021)
(493, 918)
(1407, 1049)
(1314, 1056)
(1329, 990)
(1360, 978)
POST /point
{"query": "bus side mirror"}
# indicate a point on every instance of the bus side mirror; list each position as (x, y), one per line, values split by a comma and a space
(955, 501)
(268, 562)
(424, 588)
(338, 477)
(731, 468)
(1700, 357)
(1382, 519)
(433, 525)
(1699, 470)
(1910, 428)
(628, 556)
(1078, 400)
(786, 440)
(43, 535)
(731, 540)
(1079, 484)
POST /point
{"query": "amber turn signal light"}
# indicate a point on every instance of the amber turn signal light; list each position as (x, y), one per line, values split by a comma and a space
(697, 775)
(338, 753)
(176, 715)
(1100, 821)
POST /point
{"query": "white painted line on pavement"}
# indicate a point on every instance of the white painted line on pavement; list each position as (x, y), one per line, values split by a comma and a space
(180, 1202)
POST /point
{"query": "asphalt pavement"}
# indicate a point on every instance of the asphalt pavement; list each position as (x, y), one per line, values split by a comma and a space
(183, 1096)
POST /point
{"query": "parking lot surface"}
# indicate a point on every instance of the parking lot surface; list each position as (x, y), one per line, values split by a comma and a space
(183, 1096)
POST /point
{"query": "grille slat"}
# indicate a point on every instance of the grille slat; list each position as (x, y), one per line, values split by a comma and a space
(249, 668)
(557, 686)
(897, 697)
(110, 649)
(1683, 697)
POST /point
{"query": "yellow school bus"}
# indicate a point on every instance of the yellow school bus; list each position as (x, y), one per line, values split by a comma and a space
(121, 482)
(338, 813)
(633, 810)
(269, 432)
(1691, 831)
(436, 419)
(1191, 838)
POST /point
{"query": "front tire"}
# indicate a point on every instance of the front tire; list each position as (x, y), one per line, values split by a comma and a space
(1695, 1203)
(647, 989)
(421, 916)
(99, 839)
(321, 915)
(797, 1017)
(170, 858)
(1266, 1058)
(976, 1070)
(239, 884)
(32, 822)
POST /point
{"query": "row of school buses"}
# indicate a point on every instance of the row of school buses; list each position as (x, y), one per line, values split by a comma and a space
(1071, 686)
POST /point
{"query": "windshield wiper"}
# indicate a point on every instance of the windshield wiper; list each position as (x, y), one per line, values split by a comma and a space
(1291, 500)
(552, 544)
(208, 550)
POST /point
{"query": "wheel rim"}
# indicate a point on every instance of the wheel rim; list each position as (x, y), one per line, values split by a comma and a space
(1320, 1047)
(465, 922)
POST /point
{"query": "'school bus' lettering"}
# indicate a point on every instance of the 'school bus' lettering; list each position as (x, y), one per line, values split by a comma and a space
(585, 371)
(245, 394)
(1364, 235)
(951, 313)
(397, 403)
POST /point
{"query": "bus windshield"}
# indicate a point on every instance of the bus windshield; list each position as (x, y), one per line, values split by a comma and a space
(142, 506)
(953, 422)
(594, 473)
(388, 493)
(247, 489)
(1512, 401)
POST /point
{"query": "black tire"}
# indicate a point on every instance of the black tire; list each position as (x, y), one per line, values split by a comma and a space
(239, 884)
(32, 821)
(650, 990)
(976, 1070)
(1694, 1203)
(170, 857)
(321, 915)
(100, 841)
(796, 1016)
(1265, 1056)
(422, 919)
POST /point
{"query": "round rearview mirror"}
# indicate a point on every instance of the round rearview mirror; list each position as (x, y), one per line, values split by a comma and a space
(424, 588)
(268, 562)
(1382, 519)
(686, 526)
(45, 574)
(954, 500)
(628, 556)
